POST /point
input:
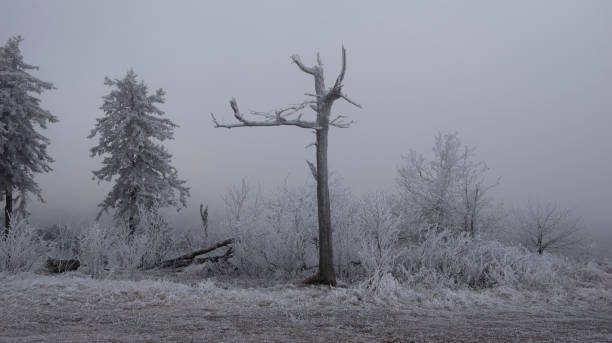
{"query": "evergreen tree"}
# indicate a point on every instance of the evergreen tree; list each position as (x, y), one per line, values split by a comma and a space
(130, 136)
(23, 150)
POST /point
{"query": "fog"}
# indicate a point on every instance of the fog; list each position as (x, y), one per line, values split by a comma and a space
(528, 83)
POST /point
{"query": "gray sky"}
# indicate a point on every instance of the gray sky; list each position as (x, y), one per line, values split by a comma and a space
(528, 82)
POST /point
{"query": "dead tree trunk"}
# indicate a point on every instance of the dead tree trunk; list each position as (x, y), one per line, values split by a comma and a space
(8, 211)
(291, 115)
(327, 274)
(188, 259)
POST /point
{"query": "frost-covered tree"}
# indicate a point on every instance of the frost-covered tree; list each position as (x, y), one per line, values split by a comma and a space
(23, 149)
(321, 104)
(130, 136)
(448, 191)
(548, 227)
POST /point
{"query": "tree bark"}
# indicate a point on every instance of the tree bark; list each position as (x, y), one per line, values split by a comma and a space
(327, 274)
(8, 211)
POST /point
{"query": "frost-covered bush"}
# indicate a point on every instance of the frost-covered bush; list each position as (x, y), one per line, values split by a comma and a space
(346, 234)
(146, 247)
(447, 259)
(457, 260)
(274, 234)
(21, 249)
(277, 233)
(63, 241)
(379, 248)
(107, 248)
(96, 247)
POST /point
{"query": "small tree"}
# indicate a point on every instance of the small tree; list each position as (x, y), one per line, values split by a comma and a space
(130, 132)
(23, 150)
(447, 192)
(548, 227)
(292, 115)
(475, 205)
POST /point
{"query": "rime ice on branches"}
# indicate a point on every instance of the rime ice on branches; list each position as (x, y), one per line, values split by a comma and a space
(23, 150)
(130, 135)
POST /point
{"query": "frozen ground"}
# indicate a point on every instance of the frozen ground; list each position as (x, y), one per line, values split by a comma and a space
(74, 308)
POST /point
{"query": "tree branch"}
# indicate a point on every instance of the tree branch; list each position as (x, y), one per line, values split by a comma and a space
(340, 78)
(313, 169)
(274, 118)
(345, 97)
(336, 90)
(309, 70)
(340, 123)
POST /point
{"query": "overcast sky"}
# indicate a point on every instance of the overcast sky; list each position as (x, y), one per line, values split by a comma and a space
(528, 82)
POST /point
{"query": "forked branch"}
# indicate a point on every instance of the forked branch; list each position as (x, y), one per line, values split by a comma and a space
(336, 91)
(309, 70)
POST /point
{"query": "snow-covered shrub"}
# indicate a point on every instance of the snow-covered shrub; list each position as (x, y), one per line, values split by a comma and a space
(274, 234)
(63, 241)
(147, 247)
(592, 273)
(346, 234)
(96, 248)
(379, 249)
(457, 260)
(21, 249)
(108, 248)
(277, 233)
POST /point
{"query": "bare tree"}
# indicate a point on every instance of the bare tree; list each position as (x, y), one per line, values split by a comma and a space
(448, 192)
(548, 227)
(473, 193)
(322, 102)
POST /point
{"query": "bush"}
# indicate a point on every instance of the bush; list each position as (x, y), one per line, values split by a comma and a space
(108, 248)
(457, 260)
(96, 246)
(274, 234)
(379, 251)
(143, 250)
(277, 233)
(21, 249)
(63, 241)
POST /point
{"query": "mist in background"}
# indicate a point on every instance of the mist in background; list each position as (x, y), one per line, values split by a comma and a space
(528, 83)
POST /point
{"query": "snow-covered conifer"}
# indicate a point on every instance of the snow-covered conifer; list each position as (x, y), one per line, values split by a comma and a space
(23, 150)
(130, 135)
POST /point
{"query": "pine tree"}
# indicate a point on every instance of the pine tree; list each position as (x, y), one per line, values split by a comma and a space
(130, 136)
(23, 150)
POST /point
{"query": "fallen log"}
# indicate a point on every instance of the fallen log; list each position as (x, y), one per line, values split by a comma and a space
(60, 266)
(187, 259)
(226, 256)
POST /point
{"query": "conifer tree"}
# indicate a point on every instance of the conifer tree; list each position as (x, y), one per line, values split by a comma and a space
(130, 136)
(23, 150)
